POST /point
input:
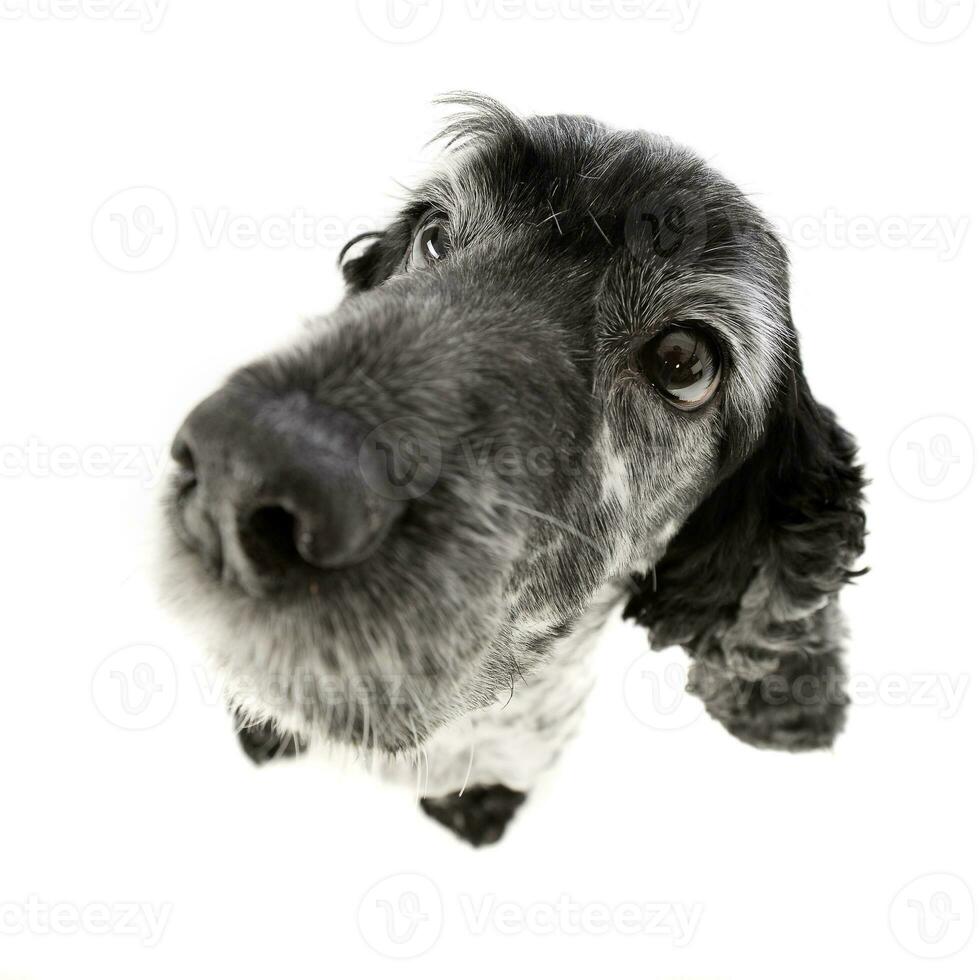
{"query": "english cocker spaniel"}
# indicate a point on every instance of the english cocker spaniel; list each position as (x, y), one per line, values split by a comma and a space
(564, 380)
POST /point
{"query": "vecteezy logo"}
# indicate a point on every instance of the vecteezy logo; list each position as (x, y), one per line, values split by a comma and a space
(136, 687)
(931, 21)
(400, 21)
(401, 459)
(933, 458)
(667, 226)
(655, 691)
(932, 916)
(401, 467)
(401, 916)
(136, 229)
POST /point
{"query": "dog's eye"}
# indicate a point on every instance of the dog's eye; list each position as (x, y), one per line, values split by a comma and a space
(431, 242)
(683, 363)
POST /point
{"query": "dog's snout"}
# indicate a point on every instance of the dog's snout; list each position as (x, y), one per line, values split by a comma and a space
(271, 486)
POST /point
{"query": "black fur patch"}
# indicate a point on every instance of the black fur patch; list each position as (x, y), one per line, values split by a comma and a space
(480, 816)
(263, 743)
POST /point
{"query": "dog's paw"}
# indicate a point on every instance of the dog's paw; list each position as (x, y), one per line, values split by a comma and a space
(795, 709)
(262, 743)
(480, 816)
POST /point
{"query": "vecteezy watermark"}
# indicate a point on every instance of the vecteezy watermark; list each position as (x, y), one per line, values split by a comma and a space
(400, 21)
(678, 14)
(147, 13)
(932, 916)
(932, 21)
(297, 229)
(942, 693)
(655, 690)
(135, 688)
(656, 693)
(40, 460)
(932, 459)
(672, 225)
(942, 234)
(402, 458)
(408, 21)
(145, 921)
(676, 224)
(568, 916)
(135, 230)
(401, 916)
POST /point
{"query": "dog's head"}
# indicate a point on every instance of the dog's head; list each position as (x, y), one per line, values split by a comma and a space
(572, 344)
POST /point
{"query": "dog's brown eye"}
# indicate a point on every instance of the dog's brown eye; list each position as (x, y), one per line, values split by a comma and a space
(431, 243)
(683, 363)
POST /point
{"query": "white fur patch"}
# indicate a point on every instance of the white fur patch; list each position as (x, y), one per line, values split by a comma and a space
(515, 740)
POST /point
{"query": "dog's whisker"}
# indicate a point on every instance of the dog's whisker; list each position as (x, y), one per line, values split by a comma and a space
(531, 512)
(510, 697)
(366, 723)
(469, 764)
(425, 763)
(418, 762)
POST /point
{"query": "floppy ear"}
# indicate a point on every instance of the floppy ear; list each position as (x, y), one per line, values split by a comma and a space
(378, 261)
(749, 584)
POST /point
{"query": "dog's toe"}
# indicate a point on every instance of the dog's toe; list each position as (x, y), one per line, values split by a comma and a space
(480, 816)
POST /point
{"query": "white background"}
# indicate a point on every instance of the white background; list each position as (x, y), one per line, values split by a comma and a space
(853, 125)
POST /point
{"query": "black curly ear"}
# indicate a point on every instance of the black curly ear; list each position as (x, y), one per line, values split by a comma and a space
(381, 259)
(749, 584)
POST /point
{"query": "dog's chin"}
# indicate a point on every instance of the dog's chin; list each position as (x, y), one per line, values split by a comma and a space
(375, 712)
(366, 728)
(338, 667)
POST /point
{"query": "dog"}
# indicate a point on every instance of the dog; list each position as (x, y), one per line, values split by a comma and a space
(563, 381)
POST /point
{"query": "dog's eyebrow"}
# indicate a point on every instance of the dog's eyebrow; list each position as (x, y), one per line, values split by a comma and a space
(752, 322)
(745, 311)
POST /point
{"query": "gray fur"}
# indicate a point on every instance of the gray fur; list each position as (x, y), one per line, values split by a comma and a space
(468, 632)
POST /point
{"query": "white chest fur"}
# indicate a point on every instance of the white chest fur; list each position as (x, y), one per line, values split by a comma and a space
(513, 741)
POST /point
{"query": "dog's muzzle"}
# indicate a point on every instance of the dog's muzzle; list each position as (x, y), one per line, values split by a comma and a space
(273, 489)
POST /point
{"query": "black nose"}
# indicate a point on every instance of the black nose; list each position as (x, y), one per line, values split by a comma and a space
(273, 487)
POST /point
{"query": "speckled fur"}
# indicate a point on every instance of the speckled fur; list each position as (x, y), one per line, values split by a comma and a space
(465, 638)
(515, 740)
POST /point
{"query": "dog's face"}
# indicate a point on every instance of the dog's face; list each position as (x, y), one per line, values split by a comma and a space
(568, 340)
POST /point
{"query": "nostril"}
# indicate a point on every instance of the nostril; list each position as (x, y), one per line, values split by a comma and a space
(270, 535)
(275, 487)
(276, 538)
